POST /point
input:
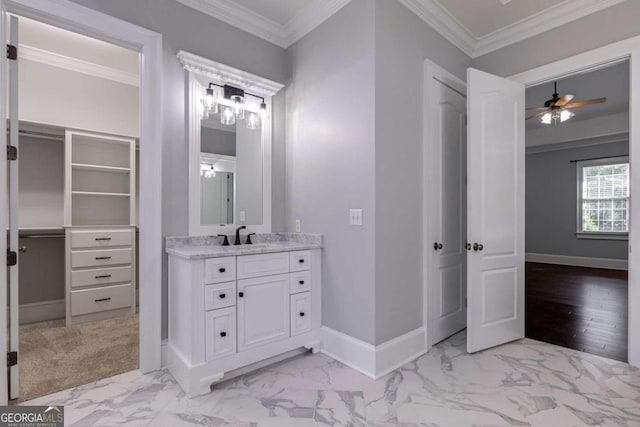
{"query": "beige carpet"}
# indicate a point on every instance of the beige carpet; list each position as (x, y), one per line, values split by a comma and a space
(54, 357)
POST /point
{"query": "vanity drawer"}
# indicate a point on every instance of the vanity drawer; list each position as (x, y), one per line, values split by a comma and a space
(100, 238)
(98, 257)
(219, 296)
(218, 270)
(220, 330)
(300, 313)
(300, 260)
(100, 299)
(300, 282)
(100, 276)
(262, 265)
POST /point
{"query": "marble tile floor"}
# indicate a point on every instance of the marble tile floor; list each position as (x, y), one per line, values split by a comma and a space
(518, 384)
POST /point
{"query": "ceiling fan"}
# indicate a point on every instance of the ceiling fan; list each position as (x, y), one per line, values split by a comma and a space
(557, 108)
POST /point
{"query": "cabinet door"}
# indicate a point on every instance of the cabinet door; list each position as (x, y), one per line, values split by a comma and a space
(221, 333)
(300, 313)
(263, 310)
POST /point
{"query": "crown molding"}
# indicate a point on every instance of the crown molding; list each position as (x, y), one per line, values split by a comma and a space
(35, 54)
(579, 143)
(438, 17)
(312, 15)
(225, 74)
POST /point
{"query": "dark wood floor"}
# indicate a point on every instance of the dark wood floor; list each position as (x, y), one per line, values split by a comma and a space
(576, 307)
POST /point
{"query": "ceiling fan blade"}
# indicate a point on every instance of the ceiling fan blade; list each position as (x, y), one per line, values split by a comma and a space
(578, 104)
(537, 108)
(540, 114)
(565, 99)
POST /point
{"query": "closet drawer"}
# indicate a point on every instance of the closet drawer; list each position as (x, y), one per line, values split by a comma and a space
(218, 270)
(219, 296)
(98, 257)
(100, 299)
(263, 265)
(100, 238)
(300, 260)
(100, 276)
(220, 330)
(300, 282)
(300, 313)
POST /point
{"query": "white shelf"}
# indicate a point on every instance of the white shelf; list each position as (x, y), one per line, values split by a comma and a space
(99, 168)
(96, 193)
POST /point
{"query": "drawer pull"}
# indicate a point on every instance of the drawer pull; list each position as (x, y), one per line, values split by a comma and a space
(301, 282)
(102, 299)
(240, 294)
(302, 314)
(222, 269)
(223, 334)
(102, 257)
(98, 239)
(222, 296)
(301, 261)
(104, 276)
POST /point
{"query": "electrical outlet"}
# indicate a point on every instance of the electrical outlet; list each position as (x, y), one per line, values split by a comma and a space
(298, 226)
(355, 216)
(243, 216)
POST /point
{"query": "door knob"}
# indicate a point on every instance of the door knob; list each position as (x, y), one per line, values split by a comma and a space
(478, 247)
(23, 249)
(467, 246)
(437, 246)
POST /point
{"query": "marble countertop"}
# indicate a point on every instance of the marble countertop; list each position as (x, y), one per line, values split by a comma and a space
(211, 246)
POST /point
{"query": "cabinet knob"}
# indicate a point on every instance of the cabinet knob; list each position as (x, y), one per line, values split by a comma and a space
(223, 334)
(222, 269)
(301, 261)
(240, 294)
(223, 296)
(301, 282)
(302, 314)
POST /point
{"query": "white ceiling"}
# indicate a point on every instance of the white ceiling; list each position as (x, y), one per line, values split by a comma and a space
(611, 82)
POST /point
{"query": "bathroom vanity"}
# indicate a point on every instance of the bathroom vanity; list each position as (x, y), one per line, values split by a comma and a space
(231, 307)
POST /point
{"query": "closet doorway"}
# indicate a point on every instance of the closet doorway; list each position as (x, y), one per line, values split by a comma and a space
(74, 124)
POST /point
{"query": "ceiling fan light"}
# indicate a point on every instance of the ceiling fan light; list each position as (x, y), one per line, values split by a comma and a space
(565, 115)
(546, 119)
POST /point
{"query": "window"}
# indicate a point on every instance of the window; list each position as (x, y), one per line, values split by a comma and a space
(603, 198)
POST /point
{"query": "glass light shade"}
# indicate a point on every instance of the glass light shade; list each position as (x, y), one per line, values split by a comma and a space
(546, 119)
(565, 115)
(238, 106)
(227, 116)
(253, 121)
(210, 101)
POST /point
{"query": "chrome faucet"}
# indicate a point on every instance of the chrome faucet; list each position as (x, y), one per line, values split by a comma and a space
(237, 242)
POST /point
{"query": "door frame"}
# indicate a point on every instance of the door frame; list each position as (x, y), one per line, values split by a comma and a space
(429, 210)
(628, 49)
(89, 22)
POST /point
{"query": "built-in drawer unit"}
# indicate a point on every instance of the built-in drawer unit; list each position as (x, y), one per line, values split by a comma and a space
(300, 260)
(100, 276)
(100, 238)
(220, 331)
(250, 266)
(218, 270)
(300, 281)
(300, 313)
(219, 296)
(100, 257)
(93, 300)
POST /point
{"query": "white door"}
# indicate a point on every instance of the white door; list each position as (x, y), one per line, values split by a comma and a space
(263, 310)
(495, 195)
(447, 115)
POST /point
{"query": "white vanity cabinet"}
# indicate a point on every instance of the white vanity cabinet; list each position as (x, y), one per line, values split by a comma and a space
(229, 313)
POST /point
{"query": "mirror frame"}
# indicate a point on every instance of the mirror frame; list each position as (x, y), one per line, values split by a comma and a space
(223, 74)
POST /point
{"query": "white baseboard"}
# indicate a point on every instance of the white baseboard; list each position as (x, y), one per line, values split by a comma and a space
(373, 361)
(608, 263)
(41, 311)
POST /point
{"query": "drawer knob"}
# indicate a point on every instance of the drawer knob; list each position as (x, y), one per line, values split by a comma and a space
(223, 296)
(240, 294)
(223, 334)
(301, 261)
(302, 314)
(104, 276)
(102, 299)
(102, 257)
(301, 282)
(222, 269)
(98, 239)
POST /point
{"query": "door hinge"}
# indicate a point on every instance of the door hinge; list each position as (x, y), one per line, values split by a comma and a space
(12, 258)
(12, 52)
(12, 152)
(12, 358)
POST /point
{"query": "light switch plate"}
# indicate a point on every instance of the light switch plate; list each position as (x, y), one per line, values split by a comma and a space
(298, 227)
(355, 216)
(243, 216)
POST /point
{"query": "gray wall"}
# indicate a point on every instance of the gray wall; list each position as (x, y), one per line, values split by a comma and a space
(403, 42)
(187, 29)
(551, 204)
(330, 159)
(613, 24)
(217, 141)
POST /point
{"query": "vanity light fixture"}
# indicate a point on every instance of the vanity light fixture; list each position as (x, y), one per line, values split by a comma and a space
(227, 116)
(210, 101)
(233, 109)
(253, 120)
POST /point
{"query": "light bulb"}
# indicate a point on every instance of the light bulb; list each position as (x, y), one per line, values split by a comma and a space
(238, 106)
(546, 119)
(227, 116)
(211, 101)
(565, 115)
(253, 121)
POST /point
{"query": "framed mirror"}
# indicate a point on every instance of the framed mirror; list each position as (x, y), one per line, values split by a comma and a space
(229, 147)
